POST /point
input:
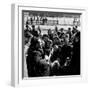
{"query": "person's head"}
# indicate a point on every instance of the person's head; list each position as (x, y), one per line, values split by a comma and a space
(41, 42)
(49, 31)
(76, 27)
(35, 44)
(56, 29)
(66, 39)
(61, 29)
(27, 22)
(69, 29)
(33, 27)
(77, 37)
(58, 33)
(26, 26)
(56, 40)
(45, 37)
(55, 47)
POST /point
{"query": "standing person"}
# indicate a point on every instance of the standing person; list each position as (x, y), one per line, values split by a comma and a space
(36, 63)
(34, 32)
(39, 30)
(61, 33)
(43, 20)
(69, 33)
(27, 33)
(56, 29)
(55, 60)
(31, 20)
(75, 62)
(37, 21)
(46, 20)
(50, 34)
(48, 44)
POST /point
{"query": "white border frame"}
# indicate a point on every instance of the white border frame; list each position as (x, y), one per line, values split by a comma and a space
(16, 54)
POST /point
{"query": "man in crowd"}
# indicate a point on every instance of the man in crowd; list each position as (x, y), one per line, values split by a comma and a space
(36, 62)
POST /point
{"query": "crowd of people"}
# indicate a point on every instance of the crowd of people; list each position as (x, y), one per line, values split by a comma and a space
(55, 53)
(43, 20)
(37, 20)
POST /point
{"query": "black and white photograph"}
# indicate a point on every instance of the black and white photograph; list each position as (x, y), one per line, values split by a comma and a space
(51, 43)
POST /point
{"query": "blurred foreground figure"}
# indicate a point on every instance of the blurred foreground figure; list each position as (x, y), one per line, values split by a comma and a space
(36, 63)
(75, 63)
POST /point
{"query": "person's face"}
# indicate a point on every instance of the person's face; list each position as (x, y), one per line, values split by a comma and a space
(45, 38)
(55, 40)
(38, 45)
(55, 47)
(41, 43)
(69, 30)
(76, 39)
